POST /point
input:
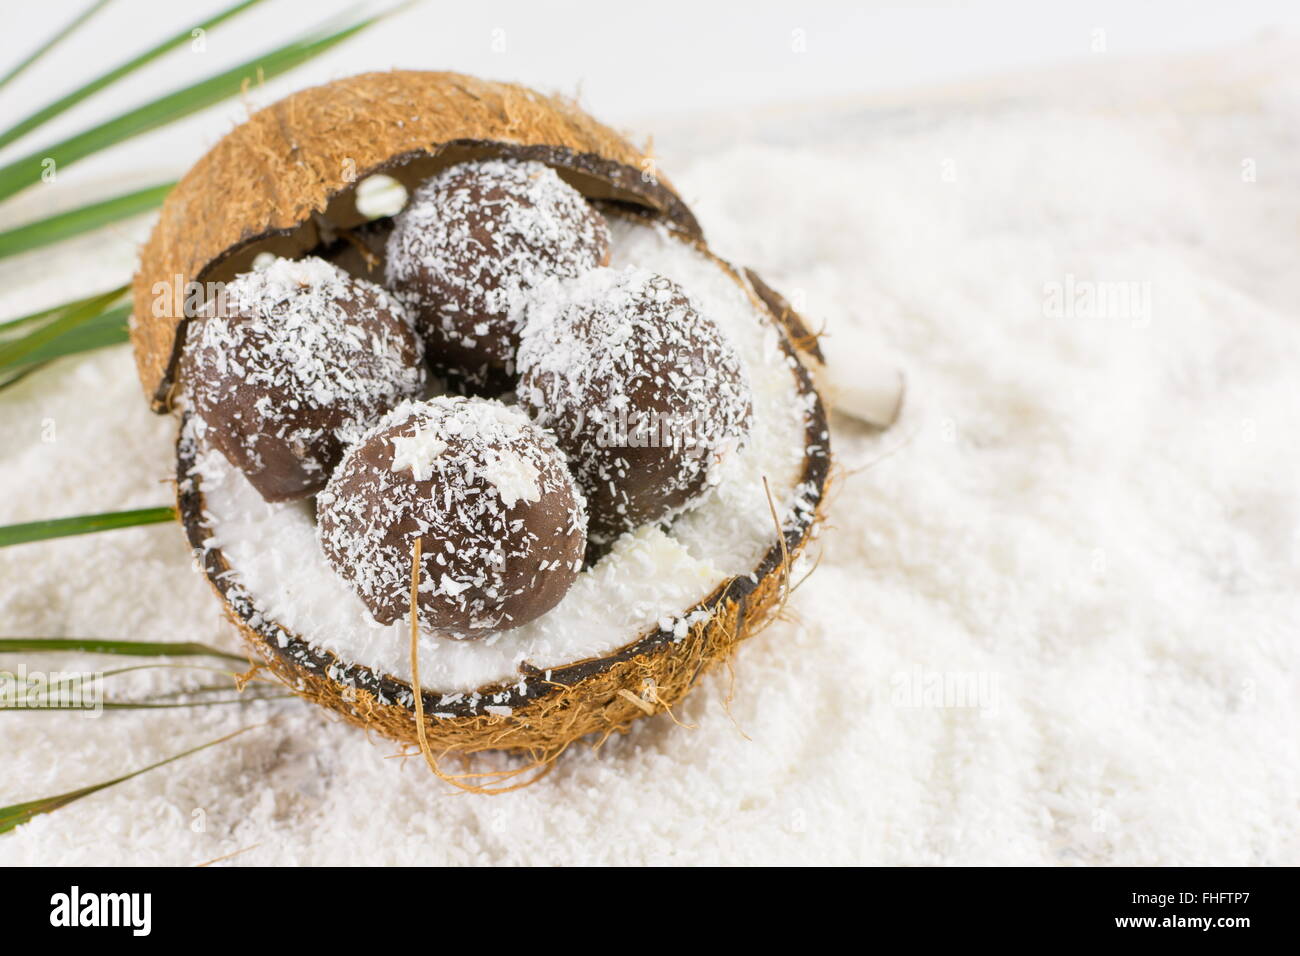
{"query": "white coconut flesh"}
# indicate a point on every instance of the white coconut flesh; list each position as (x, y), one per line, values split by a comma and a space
(652, 579)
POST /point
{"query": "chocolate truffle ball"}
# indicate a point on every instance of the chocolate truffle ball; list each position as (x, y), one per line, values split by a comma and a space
(501, 524)
(643, 392)
(291, 365)
(470, 242)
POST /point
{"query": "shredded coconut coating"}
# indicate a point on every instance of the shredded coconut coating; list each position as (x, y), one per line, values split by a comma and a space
(502, 525)
(473, 240)
(642, 390)
(292, 364)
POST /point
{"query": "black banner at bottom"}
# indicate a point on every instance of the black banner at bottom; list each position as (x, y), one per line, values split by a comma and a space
(332, 907)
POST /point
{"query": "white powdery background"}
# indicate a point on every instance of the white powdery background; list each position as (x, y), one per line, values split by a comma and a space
(1094, 517)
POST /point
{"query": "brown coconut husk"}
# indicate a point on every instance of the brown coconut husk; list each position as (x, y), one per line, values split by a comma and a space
(284, 181)
(297, 200)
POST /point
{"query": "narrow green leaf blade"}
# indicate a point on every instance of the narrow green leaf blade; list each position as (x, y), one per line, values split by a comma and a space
(95, 645)
(54, 41)
(82, 524)
(47, 113)
(29, 686)
(27, 171)
(145, 705)
(107, 328)
(65, 225)
(10, 326)
(17, 814)
(13, 351)
(13, 378)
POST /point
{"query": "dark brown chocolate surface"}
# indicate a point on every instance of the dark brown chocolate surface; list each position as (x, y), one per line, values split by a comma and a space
(291, 364)
(469, 242)
(642, 391)
(501, 524)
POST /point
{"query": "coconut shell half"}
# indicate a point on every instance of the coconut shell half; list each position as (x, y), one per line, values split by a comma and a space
(555, 707)
(283, 181)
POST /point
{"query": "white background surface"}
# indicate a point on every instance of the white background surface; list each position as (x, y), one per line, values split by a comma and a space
(631, 62)
(1094, 515)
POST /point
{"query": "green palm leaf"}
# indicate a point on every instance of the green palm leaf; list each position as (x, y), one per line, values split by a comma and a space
(148, 705)
(27, 171)
(53, 41)
(42, 695)
(47, 113)
(9, 327)
(76, 221)
(14, 351)
(70, 680)
(107, 328)
(17, 814)
(82, 524)
(94, 645)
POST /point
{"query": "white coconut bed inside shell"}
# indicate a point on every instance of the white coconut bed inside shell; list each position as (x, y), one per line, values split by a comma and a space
(651, 579)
